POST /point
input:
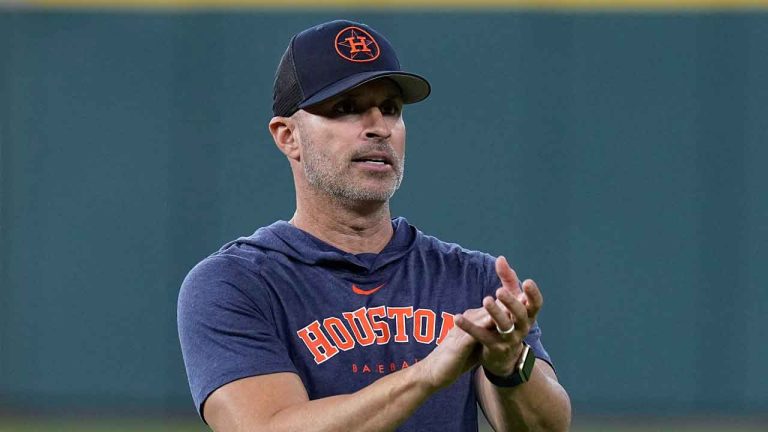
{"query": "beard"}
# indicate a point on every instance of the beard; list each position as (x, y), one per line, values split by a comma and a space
(336, 176)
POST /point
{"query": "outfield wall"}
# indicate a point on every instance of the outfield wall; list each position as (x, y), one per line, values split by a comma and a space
(617, 158)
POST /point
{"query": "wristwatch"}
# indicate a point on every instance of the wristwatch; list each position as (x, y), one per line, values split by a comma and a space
(521, 374)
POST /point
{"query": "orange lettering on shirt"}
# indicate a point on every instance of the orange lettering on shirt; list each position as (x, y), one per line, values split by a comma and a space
(339, 333)
(400, 314)
(424, 326)
(380, 327)
(447, 326)
(361, 326)
(320, 347)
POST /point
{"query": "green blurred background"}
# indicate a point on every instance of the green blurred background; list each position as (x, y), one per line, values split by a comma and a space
(617, 156)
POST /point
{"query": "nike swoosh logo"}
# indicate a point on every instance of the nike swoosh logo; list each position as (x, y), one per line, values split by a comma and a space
(357, 290)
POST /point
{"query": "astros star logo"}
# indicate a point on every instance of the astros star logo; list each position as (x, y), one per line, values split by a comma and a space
(356, 45)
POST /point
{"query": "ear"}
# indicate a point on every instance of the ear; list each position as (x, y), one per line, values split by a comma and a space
(283, 130)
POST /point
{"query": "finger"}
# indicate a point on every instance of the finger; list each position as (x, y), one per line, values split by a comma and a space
(506, 274)
(499, 313)
(479, 317)
(522, 297)
(460, 334)
(535, 299)
(460, 343)
(516, 308)
(481, 334)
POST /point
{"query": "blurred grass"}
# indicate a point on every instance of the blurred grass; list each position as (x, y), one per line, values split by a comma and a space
(105, 425)
(134, 425)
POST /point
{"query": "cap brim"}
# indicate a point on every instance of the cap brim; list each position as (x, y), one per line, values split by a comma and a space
(414, 87)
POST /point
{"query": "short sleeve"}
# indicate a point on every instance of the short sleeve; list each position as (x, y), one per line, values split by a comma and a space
(533, 339)
(226, 327)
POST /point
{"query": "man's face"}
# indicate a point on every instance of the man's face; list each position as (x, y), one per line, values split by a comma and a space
(353, 145)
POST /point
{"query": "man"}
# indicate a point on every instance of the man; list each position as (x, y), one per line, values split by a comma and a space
(343, 319)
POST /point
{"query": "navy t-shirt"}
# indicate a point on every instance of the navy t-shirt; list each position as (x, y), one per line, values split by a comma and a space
(282, 300)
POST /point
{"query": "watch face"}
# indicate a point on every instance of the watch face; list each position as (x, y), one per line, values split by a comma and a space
(526, 366)
(521, 373)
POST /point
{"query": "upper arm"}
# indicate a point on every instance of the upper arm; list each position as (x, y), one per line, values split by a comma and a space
(249, 403)
(546, 369)
(226, 329)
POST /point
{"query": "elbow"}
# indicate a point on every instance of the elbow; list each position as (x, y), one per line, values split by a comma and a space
(560, 423)
(559, 419)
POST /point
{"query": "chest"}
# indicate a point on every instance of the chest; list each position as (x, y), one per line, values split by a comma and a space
(344, 330)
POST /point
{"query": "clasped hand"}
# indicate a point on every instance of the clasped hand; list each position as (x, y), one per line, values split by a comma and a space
(499, 349)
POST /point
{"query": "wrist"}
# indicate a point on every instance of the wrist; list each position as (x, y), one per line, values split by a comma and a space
(520, 373)
(509, 364)
(422, 373)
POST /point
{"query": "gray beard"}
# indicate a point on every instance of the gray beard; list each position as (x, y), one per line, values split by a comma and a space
(324, 176)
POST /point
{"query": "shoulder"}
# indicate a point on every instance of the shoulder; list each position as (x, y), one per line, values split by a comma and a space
(225, 267)
(453, 255)
(234, 271)
(450, 250)
(246, 256)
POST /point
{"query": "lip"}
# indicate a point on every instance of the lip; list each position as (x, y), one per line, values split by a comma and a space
(372, 166)
(375, 155)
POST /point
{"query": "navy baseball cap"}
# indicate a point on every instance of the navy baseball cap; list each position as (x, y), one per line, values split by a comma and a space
(333, 57)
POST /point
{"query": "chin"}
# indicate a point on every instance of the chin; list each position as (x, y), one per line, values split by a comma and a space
(371, 195)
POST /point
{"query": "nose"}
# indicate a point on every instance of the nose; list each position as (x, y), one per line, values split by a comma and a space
(377, 125)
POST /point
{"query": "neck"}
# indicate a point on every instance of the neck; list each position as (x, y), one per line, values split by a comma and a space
(352, 227)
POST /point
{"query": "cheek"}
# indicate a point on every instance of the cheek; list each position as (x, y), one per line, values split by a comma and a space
(334, 141)
(398, 139)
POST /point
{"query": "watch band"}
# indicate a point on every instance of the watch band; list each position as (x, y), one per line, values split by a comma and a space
(521, 373)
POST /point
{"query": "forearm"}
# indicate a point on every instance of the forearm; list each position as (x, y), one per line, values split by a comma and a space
(381, 406)
(541, 404)
(279, 402)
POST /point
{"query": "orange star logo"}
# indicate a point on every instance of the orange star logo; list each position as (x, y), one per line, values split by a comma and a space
(356, 45)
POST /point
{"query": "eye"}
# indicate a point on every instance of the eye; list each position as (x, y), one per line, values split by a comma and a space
(345, 106)
(390, 107)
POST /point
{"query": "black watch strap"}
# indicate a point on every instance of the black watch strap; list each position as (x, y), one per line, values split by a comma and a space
(521, 373)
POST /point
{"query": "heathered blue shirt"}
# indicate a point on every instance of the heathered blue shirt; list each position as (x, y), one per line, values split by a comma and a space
(282, 300)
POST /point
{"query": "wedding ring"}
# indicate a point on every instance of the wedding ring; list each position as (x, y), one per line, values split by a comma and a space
(510, 330)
